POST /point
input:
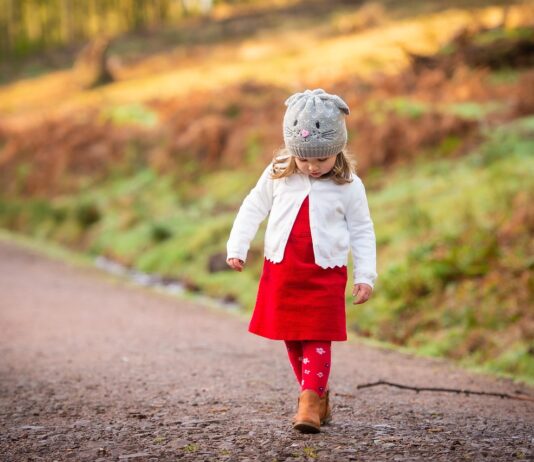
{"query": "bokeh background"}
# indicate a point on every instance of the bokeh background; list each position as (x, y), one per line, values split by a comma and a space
(131, 130)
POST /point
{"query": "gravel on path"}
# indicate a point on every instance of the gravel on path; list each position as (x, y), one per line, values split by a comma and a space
(94, 369)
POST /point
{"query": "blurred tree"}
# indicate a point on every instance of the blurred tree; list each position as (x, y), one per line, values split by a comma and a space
(29, 26)
(91, 67)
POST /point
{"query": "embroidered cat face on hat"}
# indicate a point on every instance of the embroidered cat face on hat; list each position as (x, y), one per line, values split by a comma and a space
(314, 124)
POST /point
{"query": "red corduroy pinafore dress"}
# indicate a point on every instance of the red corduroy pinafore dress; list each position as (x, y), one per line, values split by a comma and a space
(297, 299)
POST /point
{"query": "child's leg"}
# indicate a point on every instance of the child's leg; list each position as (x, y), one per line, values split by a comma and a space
(316, 356)
(294, 351)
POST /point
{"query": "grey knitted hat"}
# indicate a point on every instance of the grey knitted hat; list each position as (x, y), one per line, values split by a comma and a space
(314, 124)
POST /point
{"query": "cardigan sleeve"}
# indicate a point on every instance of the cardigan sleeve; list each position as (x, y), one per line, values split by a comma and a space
(362, 235)
(253, 210)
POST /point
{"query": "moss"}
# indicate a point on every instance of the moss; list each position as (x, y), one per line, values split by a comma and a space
(130, 114)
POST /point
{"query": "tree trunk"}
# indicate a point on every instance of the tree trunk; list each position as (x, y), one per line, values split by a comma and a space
(91, 67)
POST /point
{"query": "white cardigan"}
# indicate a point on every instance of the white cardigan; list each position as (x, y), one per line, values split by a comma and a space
(339, 219)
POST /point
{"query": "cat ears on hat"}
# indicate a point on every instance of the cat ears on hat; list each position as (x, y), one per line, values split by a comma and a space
(321, 95)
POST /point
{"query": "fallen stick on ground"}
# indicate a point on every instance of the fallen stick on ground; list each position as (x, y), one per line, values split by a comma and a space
(446, 390)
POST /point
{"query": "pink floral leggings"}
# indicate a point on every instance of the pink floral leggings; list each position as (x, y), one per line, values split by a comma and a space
(310, 360)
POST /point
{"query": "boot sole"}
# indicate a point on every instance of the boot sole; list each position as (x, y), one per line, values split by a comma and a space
(306, 427)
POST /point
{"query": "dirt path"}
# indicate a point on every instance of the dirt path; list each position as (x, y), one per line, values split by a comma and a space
(93, 369)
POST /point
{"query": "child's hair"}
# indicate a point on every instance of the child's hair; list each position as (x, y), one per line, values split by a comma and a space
(284, 165)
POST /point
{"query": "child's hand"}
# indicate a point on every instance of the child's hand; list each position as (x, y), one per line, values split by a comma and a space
(235, 264)
(362, 292)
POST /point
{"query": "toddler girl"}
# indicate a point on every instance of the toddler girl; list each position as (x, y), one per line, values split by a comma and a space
(318, 210)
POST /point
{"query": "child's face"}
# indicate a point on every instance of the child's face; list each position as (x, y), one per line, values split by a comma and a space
(315, 167)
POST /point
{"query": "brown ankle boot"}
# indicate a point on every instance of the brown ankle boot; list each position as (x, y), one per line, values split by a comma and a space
(295, 416)
(325, 412)
(307, 419)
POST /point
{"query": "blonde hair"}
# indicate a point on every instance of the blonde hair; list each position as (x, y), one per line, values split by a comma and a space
(284, 165)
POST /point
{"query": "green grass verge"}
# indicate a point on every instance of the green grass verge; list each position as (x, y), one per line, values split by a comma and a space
(454, 241)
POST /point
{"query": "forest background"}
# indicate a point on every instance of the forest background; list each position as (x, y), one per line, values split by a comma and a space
(131, 130)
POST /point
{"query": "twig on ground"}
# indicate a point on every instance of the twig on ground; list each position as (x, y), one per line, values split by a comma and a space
(446, 390)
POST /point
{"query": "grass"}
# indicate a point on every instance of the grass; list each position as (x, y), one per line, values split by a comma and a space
(448, 282)
(309, 452)
(191, 447)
